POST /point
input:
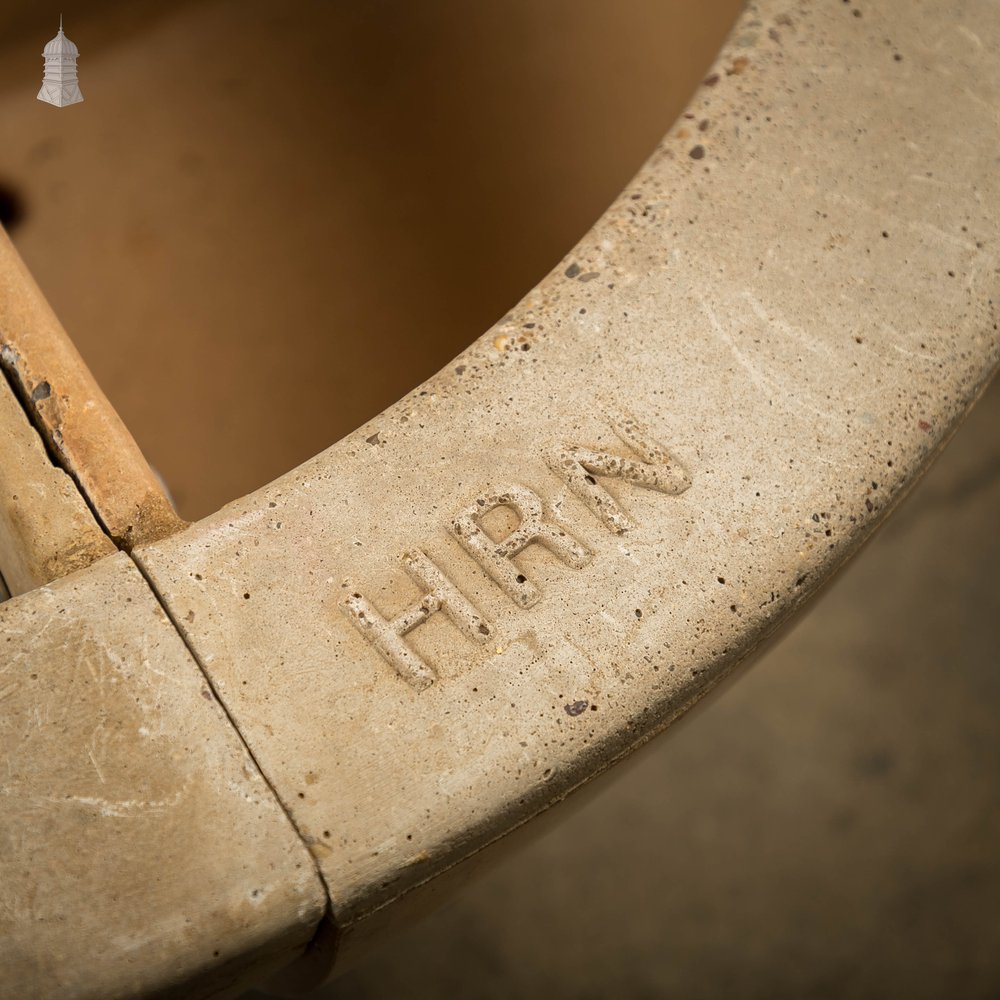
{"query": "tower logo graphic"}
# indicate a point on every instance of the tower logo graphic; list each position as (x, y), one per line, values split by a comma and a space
(59, 85)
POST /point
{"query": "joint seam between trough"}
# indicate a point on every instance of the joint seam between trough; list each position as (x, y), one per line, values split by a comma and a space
(20, 391)
(328, 914)
(12, 375)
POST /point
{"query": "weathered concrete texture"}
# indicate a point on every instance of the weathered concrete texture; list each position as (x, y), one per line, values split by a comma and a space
(791, 309)
(80, 426)
(46, 530)
(826, 829)
(141, 852)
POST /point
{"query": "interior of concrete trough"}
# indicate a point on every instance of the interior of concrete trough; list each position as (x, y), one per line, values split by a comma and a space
(265, 223)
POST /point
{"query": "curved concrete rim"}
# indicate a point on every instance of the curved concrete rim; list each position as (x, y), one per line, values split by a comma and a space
(534, 562)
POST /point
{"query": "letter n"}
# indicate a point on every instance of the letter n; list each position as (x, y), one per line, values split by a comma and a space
(580, 467)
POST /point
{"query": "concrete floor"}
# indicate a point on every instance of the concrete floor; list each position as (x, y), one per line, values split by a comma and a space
(826, 826)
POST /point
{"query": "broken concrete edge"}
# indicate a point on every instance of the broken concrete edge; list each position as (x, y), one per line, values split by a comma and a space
(46, 529)
(80, 427)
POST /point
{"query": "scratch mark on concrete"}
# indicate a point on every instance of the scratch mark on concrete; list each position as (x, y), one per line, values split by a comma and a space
(810, 343)
(918, 225)
(973, 96)
(775, 394)
(914, 354)
(755, 376)
(96, 768)
(117, 808)
(970, 35)
(934, 181)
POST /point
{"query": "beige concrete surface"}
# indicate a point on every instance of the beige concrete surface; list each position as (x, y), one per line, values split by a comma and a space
(141, 852)
(828, 827)
(46, 529)
(772, 373)
(771, 369)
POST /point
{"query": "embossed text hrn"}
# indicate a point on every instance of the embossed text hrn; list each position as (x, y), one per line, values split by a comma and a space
(580, 468)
